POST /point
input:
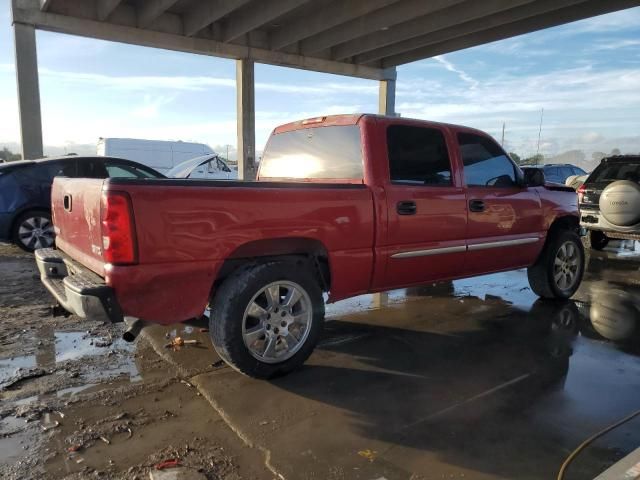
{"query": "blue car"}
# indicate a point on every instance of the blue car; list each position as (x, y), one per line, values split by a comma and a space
(25, 192)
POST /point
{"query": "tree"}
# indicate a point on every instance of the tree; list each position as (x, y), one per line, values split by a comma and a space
(615, 151)
(8, 156)
(515, 157)
(537, 159)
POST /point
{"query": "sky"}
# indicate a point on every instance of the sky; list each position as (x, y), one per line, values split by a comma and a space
(585, 75)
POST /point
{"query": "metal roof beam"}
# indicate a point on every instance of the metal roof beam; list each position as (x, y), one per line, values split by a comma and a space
(207, 12)
(45, 4)
(151, 10)
(105, 8)
(469, 10)
(246, 20)
(484, 23)
(328, 15)
(177, 42)
(378, 20)
(591, 8)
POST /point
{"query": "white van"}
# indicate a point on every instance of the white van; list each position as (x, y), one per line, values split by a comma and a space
(157, 154)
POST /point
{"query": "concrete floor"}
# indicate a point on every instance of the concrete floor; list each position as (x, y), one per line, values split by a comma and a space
(476, 379)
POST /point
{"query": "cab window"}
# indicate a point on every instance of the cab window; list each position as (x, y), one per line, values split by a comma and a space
(485, 163)
(418, 156)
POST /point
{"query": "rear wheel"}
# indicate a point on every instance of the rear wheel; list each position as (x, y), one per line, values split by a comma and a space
(598, 240)
(558, 271)
(33, 230)
(266, 319)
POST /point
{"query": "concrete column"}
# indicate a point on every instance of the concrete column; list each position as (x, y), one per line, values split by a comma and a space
(28, 90)
(246, 112)
(387, 97)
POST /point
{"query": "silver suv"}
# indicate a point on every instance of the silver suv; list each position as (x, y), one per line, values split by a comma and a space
(610, 201)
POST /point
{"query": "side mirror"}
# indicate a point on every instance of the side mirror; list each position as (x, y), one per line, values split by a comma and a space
(533, 177)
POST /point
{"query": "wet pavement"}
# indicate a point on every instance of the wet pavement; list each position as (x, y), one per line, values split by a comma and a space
(473, 379)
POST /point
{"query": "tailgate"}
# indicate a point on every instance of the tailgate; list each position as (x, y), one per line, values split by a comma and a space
(75, 203)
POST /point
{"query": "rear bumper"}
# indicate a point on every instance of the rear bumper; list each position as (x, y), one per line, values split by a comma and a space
(77, 289)
(594, 220)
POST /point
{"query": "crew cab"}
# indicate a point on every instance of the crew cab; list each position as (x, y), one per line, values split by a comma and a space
(345, 204)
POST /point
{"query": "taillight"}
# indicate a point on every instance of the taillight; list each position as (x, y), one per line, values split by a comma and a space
(118, 229)
(581, 191)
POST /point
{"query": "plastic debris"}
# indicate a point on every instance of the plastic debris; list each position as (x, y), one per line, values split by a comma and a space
(180, 342)
(203, 330)
(105, 440)
(170, 463)
(48, 427)
(368, 454)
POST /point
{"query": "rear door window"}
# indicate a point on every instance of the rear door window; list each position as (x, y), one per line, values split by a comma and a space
(123, 170)
(314, 153)
(610, 172)
(485, 163)
(418, 156)
(552, 174)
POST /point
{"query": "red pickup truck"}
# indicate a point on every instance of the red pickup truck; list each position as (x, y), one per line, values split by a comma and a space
(345, 204)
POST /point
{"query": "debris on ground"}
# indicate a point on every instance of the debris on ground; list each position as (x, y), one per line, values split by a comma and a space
(368, 454)
(23, 374)
(180, 342)
(172, 462)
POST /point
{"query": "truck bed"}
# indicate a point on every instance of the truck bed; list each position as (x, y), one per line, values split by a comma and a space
(186, 230)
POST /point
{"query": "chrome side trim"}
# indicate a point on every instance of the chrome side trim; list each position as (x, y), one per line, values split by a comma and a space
(430, 251)
(502, 243)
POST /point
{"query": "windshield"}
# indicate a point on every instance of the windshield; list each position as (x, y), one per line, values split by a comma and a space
(184, 169)
(314, 153)
(610, 172)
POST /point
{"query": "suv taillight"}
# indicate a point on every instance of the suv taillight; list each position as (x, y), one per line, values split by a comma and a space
(581, 191)
(118, 229)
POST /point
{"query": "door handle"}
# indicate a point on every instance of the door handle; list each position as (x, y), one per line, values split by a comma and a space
(406, 207)
(66, 202)
(476, 205)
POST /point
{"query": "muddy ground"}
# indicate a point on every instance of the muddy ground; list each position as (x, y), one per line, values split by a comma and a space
(78, 402)
(473, 379)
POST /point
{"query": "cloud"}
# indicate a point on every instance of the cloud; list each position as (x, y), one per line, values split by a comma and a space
(449, 66)
(151, 106)
(194, 83)
(618, 44)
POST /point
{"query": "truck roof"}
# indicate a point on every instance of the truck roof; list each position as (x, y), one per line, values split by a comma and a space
(353, 119)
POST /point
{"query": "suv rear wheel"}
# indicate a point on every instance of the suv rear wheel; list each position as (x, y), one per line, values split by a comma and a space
(33, 230)
(558, 271)
(598, 240)
(266, 319)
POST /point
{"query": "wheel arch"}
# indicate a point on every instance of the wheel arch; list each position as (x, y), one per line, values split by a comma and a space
(22, 210)
(297, 249)
(564, 222)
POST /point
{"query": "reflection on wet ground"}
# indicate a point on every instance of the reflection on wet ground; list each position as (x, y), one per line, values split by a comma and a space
(477, 378)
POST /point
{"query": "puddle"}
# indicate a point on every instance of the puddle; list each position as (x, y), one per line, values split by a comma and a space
(59, 347)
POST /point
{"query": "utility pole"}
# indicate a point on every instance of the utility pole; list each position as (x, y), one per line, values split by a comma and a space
(502, 142)
(539, 134)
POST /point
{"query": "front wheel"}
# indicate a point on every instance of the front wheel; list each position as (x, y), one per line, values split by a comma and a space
(558, 271)
(266, 319)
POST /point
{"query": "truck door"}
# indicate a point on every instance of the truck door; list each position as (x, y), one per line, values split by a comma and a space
(505, 223)
(426, 209)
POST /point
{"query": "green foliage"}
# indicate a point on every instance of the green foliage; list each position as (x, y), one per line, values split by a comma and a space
(8, 156)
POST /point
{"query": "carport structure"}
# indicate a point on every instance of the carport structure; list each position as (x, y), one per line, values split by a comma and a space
(359, 38)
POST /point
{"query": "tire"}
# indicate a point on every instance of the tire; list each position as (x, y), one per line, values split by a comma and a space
(33, 230)
(554, 277)
(598, 240)
(244, 322)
